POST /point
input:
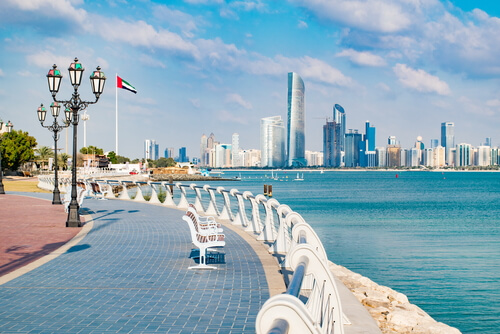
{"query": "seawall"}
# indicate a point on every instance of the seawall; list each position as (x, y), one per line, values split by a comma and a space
(392, 311)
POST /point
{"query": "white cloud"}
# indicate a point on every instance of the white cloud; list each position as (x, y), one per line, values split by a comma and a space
(363, 58)
(316, 70)
(176, 18)
(302, 25)
(386, 16)
(420, 80)
(228, 117)
(150, 61)
(142, 34)
(1, 72)
(384, 87)
(52, 9)
(237, 99)
(493, 103)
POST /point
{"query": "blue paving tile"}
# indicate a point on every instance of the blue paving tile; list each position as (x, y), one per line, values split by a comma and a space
(129, 275)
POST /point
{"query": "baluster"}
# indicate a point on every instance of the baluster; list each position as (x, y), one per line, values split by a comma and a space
(124, 194)
(197, 202)
(212, 207)
(183, 203)
(138, 195)
(268, 232)
(154, 196)
(241, 217)
(226, 211)
(256, 225)
(169, 196)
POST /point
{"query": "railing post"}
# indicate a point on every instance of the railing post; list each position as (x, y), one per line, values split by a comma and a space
(124, 194)
(268, 232)
(197, 203)
(138, 195)
(154, 195)
(255, 226)
(212, 206)
(226, 211)
(169, 200)
(183, 203)
(282, 242)
(241, 217)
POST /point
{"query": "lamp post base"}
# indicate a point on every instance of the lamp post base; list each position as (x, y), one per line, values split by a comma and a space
(73, 217)
(56, 197)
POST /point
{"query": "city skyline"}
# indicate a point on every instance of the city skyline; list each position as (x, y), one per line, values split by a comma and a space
(217, 65)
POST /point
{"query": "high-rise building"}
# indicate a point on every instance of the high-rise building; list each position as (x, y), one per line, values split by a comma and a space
(203, 150)
(483, 156)
(235, 150)
(151, 149)
(329, 144)
(314, 158)
(272, 142)
(392, 140)
(434, 143)
(353, 141)
(448, 140)
(340, 130)
(183, 155)
(370, 136)
(169, 152)
(463, 155)
(296, 147)
(393, 156)
(381, 156)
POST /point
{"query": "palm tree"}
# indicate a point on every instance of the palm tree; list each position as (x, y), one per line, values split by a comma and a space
(63, 160)
(43, 154)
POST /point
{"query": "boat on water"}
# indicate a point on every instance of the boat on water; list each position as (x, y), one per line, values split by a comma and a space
(299, 178)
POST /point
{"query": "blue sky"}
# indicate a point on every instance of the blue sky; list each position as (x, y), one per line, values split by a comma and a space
(203, 66)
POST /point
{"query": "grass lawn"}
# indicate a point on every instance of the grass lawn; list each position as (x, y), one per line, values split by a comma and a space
(23, 186)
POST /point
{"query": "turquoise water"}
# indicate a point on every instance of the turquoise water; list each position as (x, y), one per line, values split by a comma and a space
(433, 236)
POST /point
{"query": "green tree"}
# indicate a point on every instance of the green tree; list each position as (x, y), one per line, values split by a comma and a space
(91, 150)
(121, 160)
(17, 147)
(165, 162)
(43, 153)
(112, 157)
(63, 160)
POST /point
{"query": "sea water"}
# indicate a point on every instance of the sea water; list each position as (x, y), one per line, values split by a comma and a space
(432, 236)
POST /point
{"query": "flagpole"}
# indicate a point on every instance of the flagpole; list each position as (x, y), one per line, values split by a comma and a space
(116, 104)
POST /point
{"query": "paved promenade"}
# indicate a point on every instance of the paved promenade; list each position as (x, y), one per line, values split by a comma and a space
(129, 274)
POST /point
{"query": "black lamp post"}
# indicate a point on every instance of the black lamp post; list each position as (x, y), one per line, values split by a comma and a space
(9, 127)
(75, 104)
(55, 128)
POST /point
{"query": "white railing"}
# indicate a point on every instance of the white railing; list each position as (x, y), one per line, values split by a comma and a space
(311, 303)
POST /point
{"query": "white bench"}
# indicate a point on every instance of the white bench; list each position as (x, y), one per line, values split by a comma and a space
(97, 191)
(80, 195)
(205, 221)
(203, 238)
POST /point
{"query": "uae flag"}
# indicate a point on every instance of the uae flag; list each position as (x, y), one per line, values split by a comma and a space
(120, 83)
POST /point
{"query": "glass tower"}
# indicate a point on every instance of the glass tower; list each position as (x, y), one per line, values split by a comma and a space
(329, 144)
(296, 121)
(448, 140)
(272, 142)
(339, 119)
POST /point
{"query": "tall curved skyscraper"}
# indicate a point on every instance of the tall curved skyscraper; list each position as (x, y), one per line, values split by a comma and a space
(339, 119)
(296, 148)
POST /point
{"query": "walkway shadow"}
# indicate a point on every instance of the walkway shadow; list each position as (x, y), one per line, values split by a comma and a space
(26, 257)
(78, 248)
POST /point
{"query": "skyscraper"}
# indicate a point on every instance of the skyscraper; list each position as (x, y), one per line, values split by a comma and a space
(296, 148)
(339, 119)
(329, 144)
(272, 142)
(183, 155)
(353, 141)
(203, 149)
(151, 149)
(448, 140)
(235, 150)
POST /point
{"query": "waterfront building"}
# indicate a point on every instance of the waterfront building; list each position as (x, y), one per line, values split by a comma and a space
(487, 142)
(371, 158)
(251, 158)
(203, 149)
(438, 156)
(272, 142)
(340, 131)
(369, 136)
(235, 150)
(315, 158)
(404, 158)
(169, 152)
(392, 141)
(495, 157)
(428, 157)
(330, 144)
(463, 155)
(353, 142)
(393, 156)
(296, 121)
(151, 150)
(222, 156)
(413, 158)
(448, 140)
(434, 143)
(483, 156)
(381, 156)
(183, 155)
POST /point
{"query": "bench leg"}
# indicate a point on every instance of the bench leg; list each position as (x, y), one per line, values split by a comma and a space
(203, 260)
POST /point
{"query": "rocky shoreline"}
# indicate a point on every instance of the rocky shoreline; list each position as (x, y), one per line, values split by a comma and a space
(392, 311)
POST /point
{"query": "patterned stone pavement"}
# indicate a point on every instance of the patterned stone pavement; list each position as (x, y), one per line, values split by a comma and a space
(130, 275)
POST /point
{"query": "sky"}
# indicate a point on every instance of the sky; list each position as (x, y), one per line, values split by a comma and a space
(219, 66)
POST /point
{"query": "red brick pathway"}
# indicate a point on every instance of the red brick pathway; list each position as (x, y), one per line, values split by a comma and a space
(29, 229)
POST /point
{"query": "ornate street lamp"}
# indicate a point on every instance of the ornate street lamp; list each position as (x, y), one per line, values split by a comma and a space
(73, 106)
(9, 127)
(55, 128)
